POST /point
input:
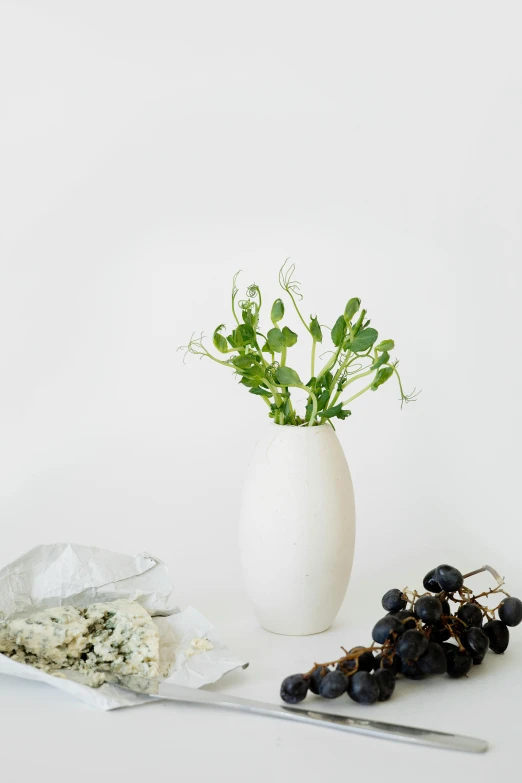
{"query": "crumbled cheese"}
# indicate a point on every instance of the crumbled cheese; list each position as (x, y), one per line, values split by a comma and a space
(117, 638)
(197, 645)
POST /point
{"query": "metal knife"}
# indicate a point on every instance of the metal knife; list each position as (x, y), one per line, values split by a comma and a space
(373, 728)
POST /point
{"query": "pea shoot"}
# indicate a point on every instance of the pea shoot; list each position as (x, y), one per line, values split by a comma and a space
(260, 359)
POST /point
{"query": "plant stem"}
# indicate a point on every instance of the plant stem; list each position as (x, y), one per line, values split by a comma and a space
(290, 294)
(356, 378)
(277, 397)
(307, 389)
(218, 361)
(313, 415)
(234, 294)
(340, 369)
(395, 370)
(330, 363)
(349, 400)
(337, 375)
(314, 343)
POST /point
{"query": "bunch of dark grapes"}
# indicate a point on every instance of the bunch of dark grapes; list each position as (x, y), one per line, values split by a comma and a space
(446, 630)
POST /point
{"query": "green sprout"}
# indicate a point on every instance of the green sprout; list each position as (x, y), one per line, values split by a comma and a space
(259, 358)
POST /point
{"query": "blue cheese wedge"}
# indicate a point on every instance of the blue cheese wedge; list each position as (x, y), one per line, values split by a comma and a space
(116, 638)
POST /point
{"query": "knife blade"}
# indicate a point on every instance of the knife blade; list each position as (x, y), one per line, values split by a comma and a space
(373, 728)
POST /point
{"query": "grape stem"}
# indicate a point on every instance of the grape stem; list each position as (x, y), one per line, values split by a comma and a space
(492, 571)
(346, 657)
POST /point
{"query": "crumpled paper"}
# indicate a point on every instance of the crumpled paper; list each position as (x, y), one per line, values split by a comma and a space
(76, 575)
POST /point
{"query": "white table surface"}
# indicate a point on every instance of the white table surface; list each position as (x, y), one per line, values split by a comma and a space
(57, 736)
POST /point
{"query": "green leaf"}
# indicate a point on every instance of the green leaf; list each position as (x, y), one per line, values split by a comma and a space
(243, 335)
(289, 337)
(336, 412)
(266, 348)
(339, 331)
(383, 359)
(278, 310)
(285, 376)
(248, 316)
(356, 328)
(245, 361)
(255, 375)
(316, 330)
(385, 345)
(331, 412)
(249, 382)
(231, 342)
(258, 375)
(218, 339)
(364, 340)
(275, 340)
(326, 380)
(323, 399)
(261, 391)
(382, 376)
(350, 309)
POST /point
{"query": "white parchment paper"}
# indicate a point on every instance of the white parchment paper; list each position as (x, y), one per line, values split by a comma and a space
(76, 575)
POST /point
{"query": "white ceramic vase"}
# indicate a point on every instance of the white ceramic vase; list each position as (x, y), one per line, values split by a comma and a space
(297, 529)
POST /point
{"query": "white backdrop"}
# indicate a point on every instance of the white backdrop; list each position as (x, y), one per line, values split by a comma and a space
(150, 150)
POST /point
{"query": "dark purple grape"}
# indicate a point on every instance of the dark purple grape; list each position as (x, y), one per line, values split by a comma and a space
(430, 583)
(448, 647)
(470, 614)
(363, 688)
(333, 685)
(316, 677)
(385, 627)
(366, 660)
(510, 611)
(498, 635)
(428, 609)
(392, 664)
(412, 645)
(386, 683)
(433, 661)
(478, 661)
(475, 641)
(459, 663)
(450, 579)
(411, 670)
(407, 618)
(347, 666)
(439, 633)
(294, 688)
(364, 663)
(393, 601)
(446, 608)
